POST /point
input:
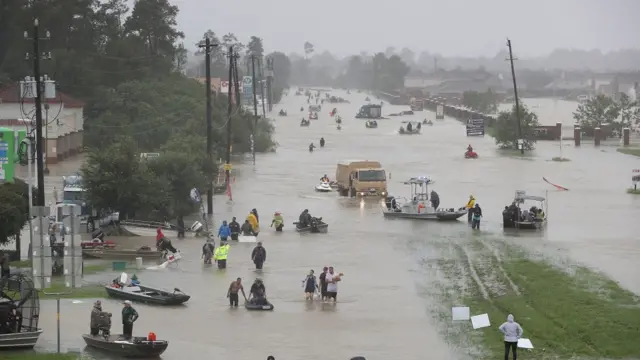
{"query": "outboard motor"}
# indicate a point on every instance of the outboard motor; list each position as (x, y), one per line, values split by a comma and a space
(197, 228)
(388, 201)
(98, 234)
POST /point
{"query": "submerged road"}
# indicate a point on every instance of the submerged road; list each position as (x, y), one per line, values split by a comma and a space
(383, 311)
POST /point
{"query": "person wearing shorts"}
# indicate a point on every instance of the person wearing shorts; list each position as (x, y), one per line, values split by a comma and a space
(323, 283)
(232, 293)
(310, 285)
(332, 286)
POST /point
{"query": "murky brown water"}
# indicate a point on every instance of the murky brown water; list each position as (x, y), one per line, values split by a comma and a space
(381, 313)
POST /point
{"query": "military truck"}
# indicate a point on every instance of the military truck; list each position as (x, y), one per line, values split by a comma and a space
(360, 178)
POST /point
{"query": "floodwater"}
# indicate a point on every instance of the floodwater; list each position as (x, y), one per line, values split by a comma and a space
(382, 311)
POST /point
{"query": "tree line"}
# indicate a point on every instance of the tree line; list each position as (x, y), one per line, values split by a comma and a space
(620, 112)
(128, 65)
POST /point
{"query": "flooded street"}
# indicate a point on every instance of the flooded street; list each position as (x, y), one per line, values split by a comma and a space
(384, 310)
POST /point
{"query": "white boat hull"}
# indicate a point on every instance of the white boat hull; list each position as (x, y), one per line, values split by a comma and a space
(436, 215)
(247, 239)
(150, 232)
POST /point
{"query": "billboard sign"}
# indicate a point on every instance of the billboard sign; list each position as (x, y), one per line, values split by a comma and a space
(475, 127)
(247, 88)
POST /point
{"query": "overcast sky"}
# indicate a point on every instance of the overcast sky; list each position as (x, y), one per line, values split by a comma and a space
(448, 27)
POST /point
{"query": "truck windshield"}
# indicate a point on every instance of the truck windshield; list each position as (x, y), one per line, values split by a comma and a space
(73, 196)
(372, 175)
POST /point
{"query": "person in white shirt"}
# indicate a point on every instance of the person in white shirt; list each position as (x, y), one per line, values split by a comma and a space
(332, 284)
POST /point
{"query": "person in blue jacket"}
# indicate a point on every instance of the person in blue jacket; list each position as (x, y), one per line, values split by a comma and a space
(224, 232)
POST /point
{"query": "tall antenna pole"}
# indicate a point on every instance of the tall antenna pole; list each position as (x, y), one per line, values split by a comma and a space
(515, 94)
(208, 46)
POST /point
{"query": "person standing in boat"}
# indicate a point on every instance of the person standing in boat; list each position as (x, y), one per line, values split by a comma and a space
(259, 255)
(435, 199)
(470, 205)
(477, 215)
(235, 229)
(129, 316)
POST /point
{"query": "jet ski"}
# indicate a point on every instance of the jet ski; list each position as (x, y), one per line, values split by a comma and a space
(470, 155)
(324, 187)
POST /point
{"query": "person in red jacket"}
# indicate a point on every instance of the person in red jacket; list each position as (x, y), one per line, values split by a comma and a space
(159, 235)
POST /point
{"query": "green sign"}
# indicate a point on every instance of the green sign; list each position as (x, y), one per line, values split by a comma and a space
(8, 150)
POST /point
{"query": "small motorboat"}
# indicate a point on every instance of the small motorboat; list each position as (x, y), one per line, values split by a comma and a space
(371, 124)
(282, 113)
(317, 226)
(305, 123)
(324, 187)
(407, 112)
(338, 120)
(413, 131)
(144, 252)
(149, 295)
(136, 347)
(255, 307)
(427, 122)
(339, 127)
(470, 155)
(313, 116)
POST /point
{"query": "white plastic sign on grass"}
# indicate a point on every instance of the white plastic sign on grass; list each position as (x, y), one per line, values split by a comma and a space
(480, 321)
(525, 344)
(460, 313)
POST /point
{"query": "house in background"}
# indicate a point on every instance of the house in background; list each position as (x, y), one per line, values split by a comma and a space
(62, 117)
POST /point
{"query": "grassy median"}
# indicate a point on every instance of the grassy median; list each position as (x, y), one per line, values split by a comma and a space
(630, 151)
(31, 355)
(567, 313)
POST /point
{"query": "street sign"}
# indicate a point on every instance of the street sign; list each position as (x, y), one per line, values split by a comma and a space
(227, 167)
(247, 88)
(224, 86)
(440, 112)
(475, 127)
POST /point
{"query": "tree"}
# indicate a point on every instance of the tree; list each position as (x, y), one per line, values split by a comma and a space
(230, 39)
(14, 210)
(485, 103)
(179, 174)
(506, 128)
(408, 56)
(116, 179)
(596, 111)
(308, 49)
(629, 111)
(254, 47)
(218, 60)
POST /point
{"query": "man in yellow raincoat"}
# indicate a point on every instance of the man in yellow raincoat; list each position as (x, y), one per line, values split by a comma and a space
(220, 255)
(470, 205)
(253, 220)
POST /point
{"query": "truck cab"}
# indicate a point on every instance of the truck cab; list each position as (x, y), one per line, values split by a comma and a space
(361, 179)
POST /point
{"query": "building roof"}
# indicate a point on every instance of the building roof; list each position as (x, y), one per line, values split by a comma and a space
(11, 95)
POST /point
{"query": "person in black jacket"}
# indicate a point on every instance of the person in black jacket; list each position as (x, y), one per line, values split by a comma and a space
(259, 255)
(234, 226)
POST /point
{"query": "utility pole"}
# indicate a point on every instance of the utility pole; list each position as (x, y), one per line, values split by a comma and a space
(253, 88)
(229, 111)
(38, 103)
(264, 113)
(236, 81)
(270, 82)
(515, 94)
(208, 47)
(46, 136)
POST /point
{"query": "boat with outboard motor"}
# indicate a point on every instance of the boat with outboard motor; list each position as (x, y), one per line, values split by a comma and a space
(149, 228)
(313, 116)
(316, 226)
(315, 108)
(145, 294)
(305, 122)
(371, 124)
(144, 252)
(419, 207)
(136, 347)
(324, 187)
(534, 218)
(427, 122)
(282, 113)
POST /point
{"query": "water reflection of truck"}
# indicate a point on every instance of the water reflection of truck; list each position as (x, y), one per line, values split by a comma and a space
(361, 178)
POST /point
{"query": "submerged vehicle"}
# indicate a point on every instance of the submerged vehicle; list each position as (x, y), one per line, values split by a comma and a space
(73, 192)
(416, 104)
(517, 216)
(316, 226)
(324, 187)
(413, 130)
(370, 111)
(419, 207)
(371, 124)
(361, 178)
